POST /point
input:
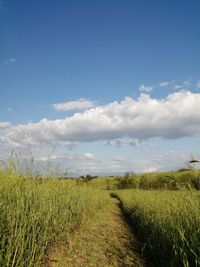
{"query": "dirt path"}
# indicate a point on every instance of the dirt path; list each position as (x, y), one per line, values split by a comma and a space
(106, 240)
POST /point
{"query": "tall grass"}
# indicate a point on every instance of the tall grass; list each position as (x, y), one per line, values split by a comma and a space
(169, 223)
(36, 213)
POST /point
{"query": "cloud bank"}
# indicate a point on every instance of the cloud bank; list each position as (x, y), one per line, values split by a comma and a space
(174, 117)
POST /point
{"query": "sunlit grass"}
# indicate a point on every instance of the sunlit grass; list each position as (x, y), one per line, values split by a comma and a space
(35, 213)
(169, 223)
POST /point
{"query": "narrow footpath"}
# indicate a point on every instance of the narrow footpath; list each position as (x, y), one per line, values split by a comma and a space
(106, 240)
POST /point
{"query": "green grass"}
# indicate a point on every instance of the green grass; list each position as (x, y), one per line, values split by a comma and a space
(104, 183)
(169, 223)
(34, 214)
(37, 214)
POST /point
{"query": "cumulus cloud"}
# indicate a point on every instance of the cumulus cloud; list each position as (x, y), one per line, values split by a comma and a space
(145, 89)
(79, 104)
(173, 117)
(4, 125)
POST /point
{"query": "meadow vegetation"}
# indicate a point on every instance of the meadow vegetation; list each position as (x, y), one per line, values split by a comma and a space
(167, 222)
(39, 211)
(36, 213)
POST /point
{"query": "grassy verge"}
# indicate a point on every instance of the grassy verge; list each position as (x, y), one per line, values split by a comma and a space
(36, 213)
(168, 222)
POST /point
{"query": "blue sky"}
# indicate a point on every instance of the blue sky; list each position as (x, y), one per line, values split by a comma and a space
(99, 60)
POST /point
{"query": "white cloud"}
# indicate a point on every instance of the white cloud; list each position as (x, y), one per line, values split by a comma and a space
(89, 155)
(79, 104)
(78, 164)
(164, 84)
(198, 84)
(5, 125)
(10, 61)
(178, 86)
(174, 117)
(181, 86)
(186, 83)
(145, 89)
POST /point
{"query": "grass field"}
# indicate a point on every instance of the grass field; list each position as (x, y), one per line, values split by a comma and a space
(37, 213)
(168, 223)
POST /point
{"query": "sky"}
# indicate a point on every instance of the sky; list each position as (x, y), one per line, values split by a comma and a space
(100, 87)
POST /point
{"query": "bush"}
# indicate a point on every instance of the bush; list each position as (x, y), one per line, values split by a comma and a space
(127, 181)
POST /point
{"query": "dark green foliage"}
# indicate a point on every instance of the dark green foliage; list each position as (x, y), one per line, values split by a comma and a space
(196, 181)
(127, 181)
(144, 182)
(86, 178)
